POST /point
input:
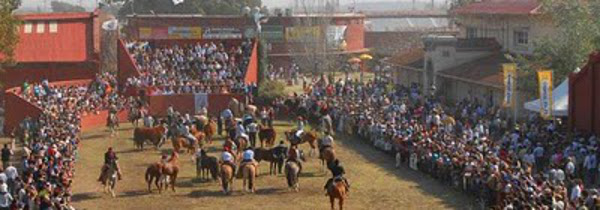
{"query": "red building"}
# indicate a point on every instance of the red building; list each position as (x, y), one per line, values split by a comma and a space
(55, 46)
(584, 97)
(286, 35)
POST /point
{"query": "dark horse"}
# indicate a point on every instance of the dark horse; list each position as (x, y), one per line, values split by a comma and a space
(207, 164)
(292, 172)
(270, 155)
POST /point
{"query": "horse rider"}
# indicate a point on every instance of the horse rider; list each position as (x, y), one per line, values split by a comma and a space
(326, 142)
(337, 170)
(228, 159)
(170, 113)
(184, 130)
(299, 128)
(110, 159)
(148, 121)
(248, 157)
(294, 155)
(227, 115)
(239, 130)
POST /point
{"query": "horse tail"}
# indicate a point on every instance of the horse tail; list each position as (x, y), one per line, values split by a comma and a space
(252, 175)
(148, 174)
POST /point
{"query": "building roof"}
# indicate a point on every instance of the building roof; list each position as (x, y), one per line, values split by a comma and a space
(55, 37)
(500, 7)
(486, 71)
(296, 15)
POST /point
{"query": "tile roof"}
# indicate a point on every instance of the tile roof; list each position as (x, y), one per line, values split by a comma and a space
(486, 70)
(500, 7)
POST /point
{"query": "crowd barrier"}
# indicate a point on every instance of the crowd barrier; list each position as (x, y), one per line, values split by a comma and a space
(189, 103)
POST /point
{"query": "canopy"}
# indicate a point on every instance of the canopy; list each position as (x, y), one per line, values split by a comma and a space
(560, 100)
(366, 57)
(354, 60)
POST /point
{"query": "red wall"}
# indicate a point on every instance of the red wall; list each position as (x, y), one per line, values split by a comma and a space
(126, 64)
(17, 108)
(53, 72)
(584, 98)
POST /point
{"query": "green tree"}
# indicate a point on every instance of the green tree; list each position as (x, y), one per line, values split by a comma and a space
(59, 6)
(577, 35)
(9, 29)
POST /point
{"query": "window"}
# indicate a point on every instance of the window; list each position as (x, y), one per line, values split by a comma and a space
(40, 27)
(27, 28)
(53, 27)
(521, 37)
(445, 53)
(471, 32)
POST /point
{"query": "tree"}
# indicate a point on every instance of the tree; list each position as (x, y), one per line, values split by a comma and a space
(58, 6)
(8, 28)
(206, 7)
(578, 34)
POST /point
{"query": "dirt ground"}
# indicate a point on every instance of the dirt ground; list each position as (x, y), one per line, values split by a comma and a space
(376, 184)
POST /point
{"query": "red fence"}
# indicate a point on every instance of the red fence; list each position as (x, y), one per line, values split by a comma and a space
(584, 98)
(185, 103)
(95, 120)
(126, 64)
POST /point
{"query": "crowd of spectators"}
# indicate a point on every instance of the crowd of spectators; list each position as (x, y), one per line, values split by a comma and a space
(50, 143)
(467, 145)
(193, 68)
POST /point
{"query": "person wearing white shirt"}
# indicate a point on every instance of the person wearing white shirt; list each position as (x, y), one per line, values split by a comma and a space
(576, 191)
(5, 197)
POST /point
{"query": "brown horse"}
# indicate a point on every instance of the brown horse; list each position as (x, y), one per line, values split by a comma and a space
(306, 137)
(337, 191)
(209, 130)
(182, 142)
(267, 135)
(249, 171)
(327, 155)
(200, 136)
(163, 173)
(275, 163)
(156, 135)
(206, 164)
(227, 178)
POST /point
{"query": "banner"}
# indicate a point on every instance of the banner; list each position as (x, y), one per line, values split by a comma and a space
(272, 33)
(145, 32)
(335, 36)
(303, 33)
(510, 83)
(222, 33)
(200, 100)
(545, 89)
(176, 32)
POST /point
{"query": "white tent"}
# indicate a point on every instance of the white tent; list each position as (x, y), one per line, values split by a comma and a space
(560, 100)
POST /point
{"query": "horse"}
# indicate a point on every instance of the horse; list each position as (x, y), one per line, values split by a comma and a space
(109, 180)
(306, 137)
(163, 174)
(206, 164)
(156, 135)
(227, 178)
(249, 171)
(112, 122)
(209, 130)
(134, 116)
(292, 172)
(327, 155)
(337, 191)
(182, 142)
(266, 135)
(275, 163)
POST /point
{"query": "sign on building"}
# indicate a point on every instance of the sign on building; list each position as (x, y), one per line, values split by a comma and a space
(303, 34)
(222, 33)
(174, 32)
(272, 33)
(335, 36)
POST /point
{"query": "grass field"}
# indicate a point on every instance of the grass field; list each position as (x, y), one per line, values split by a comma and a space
(375, 183)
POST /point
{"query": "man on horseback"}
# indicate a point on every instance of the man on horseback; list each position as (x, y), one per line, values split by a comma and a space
(337, 170)
(110, 160)
(299, 129)
(248, 157)
(184, 131)
(228, 159)
(326, 142)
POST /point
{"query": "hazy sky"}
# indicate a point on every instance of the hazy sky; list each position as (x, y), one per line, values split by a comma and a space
(89, 4)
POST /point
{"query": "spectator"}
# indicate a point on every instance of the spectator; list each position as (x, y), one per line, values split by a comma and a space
(6, 154)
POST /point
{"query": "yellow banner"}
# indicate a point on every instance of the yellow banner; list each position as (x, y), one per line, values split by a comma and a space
(545, 89)
(303, 33)
(510, 83)
(145, 32)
